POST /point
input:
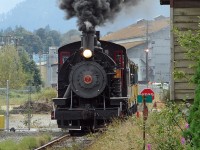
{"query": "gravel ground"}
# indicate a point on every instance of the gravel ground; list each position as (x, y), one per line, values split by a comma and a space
(40, 123)
(78, 143)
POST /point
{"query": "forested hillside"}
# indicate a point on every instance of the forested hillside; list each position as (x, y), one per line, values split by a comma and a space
(38, 41)
(32, 14)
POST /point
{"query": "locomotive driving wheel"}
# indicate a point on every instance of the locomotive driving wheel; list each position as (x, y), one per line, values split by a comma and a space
(88, 79)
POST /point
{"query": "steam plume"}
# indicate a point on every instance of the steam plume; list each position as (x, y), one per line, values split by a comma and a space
(97, 12)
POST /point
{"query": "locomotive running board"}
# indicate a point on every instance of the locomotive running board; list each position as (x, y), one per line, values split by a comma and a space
(118, 98)
(74, 128)
(59, 101)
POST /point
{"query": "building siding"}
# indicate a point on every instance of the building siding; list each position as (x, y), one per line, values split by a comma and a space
(158, 57)
(184, 16)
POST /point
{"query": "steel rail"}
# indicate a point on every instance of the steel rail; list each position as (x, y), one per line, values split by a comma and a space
(59, 139)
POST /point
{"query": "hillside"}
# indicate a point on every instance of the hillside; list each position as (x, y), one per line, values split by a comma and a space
(35, 14)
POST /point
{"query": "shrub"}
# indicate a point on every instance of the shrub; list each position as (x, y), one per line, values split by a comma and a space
(163, 131)
(164, 128)
(46, 94)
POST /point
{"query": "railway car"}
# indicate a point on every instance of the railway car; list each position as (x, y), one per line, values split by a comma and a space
(96, 82)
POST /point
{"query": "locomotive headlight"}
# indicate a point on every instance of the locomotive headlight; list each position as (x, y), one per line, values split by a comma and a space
(87, 53)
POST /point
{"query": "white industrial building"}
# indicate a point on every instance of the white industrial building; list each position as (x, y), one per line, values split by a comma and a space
(153, 35)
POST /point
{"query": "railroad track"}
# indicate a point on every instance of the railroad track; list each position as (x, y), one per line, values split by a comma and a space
(54, 142)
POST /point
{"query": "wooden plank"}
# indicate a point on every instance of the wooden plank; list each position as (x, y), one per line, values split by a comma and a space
(184, 96)
(184, 91)
(182, 64)
(175, 36)
(186, 26)
(186, 69)
(186, 12)
(183, 86)
(179, 49)
(183, 80)
(186, 4)
(180, 56)
(186, 19)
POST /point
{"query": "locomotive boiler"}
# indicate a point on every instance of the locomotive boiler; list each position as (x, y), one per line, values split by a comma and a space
(96, 82)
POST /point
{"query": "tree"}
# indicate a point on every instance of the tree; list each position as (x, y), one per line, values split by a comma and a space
(71, 36)
(191, 41)
(11, 68)
(29, 41)
(32, 43)
(31, 70)
(49, 37)
(56, 36)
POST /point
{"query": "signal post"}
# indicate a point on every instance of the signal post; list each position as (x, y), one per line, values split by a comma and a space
(147, 95)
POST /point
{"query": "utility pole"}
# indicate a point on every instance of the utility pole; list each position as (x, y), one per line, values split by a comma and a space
(147, 51)
(8, 39)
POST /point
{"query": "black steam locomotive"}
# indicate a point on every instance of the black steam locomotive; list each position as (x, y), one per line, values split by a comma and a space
(96, 82)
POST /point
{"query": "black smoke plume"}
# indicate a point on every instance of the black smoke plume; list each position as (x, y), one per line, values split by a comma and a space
(97, 12)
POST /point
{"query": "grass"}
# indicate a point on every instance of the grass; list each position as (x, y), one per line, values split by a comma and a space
(120, 135)
(19, 97)
(128, 134)
(27, 143)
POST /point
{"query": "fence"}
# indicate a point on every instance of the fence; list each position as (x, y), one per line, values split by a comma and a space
(19, 109)
(10, 105)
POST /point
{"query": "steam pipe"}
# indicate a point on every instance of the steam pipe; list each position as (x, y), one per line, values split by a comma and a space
(67, 92)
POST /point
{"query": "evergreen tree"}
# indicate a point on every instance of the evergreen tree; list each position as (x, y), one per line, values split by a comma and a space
(31, 70)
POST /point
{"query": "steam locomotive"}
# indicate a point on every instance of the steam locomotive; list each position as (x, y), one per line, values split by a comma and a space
(96, 82)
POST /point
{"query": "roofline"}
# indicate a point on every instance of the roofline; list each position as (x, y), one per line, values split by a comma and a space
(128, 40)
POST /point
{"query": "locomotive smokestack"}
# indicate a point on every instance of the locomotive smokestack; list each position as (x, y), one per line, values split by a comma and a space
(88, 36)
(97, 12)
(88, 40)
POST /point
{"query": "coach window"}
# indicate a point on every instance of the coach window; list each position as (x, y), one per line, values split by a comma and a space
(65, 58)
(120, 60)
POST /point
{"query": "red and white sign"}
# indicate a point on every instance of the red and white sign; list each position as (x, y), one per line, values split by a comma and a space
(148, 92)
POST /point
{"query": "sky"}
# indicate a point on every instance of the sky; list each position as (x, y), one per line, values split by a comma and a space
(7, 5)
(146, 9)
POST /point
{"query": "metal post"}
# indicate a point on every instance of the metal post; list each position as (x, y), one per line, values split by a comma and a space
(29, 108)
(147, 50)
(144, 124)
(144, 137)
(145, 115)
(147, 66)
(7, 104)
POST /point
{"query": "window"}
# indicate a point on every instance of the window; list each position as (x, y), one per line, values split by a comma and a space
(63, 57)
